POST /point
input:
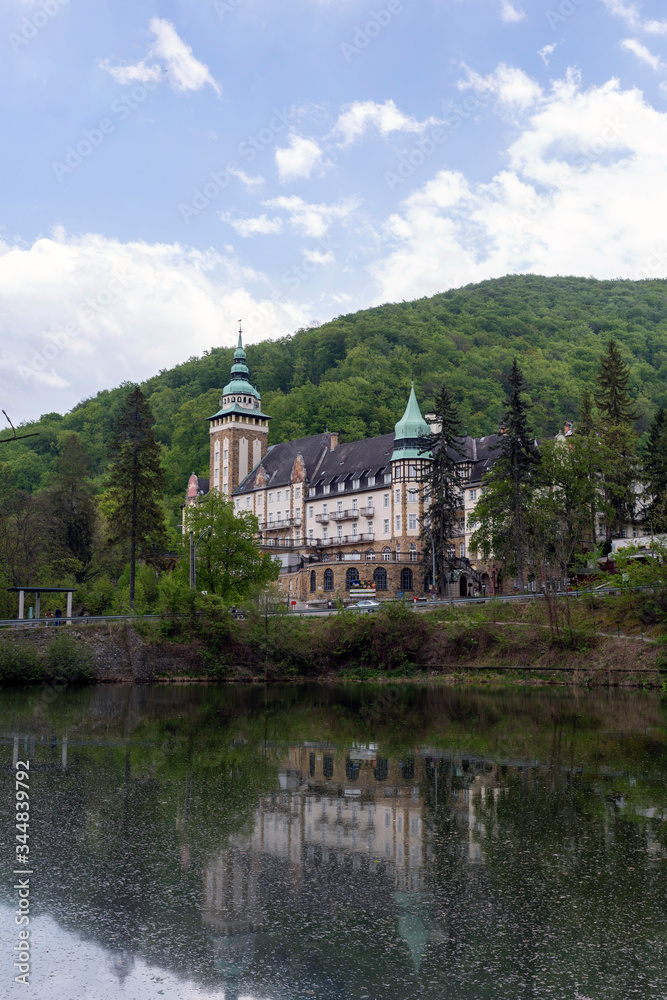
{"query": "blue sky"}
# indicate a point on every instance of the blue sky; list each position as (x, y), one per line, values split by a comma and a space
(170, 167)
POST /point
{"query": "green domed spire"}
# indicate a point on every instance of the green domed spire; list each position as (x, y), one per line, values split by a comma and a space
(240, 381)
(410, 431)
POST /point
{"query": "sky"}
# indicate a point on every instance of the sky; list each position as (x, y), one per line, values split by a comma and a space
(171, 167)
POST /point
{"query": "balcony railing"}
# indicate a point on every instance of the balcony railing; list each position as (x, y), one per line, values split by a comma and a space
(344, 515)
(322, 518)
(346, 539)
(281, 523)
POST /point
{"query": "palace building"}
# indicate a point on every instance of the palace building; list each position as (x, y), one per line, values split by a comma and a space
(338, 515)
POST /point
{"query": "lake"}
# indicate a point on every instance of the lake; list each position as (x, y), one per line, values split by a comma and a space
(354, 842)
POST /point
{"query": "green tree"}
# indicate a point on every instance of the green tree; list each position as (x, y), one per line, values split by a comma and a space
(654, 461)
(229, 561)
(134, 486)
(617, 415)
(443, 486)
(508, 488)
(72, 511)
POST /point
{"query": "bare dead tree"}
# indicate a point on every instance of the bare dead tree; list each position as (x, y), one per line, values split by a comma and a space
(15, 436)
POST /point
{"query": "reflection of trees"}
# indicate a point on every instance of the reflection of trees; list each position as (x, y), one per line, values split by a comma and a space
(538, 881)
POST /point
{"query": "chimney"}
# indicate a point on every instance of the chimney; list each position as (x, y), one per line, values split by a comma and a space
(333, 439)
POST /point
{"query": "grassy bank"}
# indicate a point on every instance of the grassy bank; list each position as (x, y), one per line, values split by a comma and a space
(595, 642)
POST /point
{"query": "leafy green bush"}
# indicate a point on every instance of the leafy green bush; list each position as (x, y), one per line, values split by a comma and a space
(68, 660)
(19, 665)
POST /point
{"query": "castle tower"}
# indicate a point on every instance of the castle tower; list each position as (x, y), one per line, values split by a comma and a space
(239, 431)
(408, 460)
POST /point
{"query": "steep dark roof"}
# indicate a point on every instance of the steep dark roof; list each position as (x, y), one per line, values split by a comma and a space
(356, 457)
(279, 460)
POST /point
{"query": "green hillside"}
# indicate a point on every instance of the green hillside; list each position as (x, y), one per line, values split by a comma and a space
(353, 373)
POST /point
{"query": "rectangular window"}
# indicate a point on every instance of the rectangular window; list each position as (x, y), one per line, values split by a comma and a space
(412, 472)
(472, 494)
(355, 504)
(325, 534)
(397, 522)
(311, 512)
(325, 508)
(387, 477)
(247, 502)
(397, 495)
(270, 518)
(412, 522)
(355, 484)
(286, 496)
(311, 491)
(279, 496)
(339, 506)
(270, 497)
(297, 493)
(385, 526)
(341, 487)
(385, 499)
(369, 503)
(310, 534)
(326, 489)
(462, 550)
(369, 528)
(339, 530)
(355, 530)
(371, 480)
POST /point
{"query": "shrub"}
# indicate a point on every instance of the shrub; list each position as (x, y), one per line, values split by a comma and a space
(19, 665)
(68, 660)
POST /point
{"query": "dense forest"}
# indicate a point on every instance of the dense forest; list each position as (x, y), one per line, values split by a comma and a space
(354, 372)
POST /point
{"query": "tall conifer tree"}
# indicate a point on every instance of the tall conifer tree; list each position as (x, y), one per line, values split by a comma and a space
(443, 485)
(135, 483)
(655, 472)
(617, 415)
(508, 488)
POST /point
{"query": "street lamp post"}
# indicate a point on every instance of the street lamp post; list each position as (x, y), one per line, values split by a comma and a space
(194, 557)
(413, 491)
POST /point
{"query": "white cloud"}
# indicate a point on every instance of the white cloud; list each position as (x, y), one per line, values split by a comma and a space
(509, 13)
(130, 74)
(320, 257)
(85, 313)
(185, 72)
(655, 27)
(581, 193)
(642, 53)
(299, 159)
(260, 226)
(547, 52)
(358, 117)
(310, 219)
(509, 85)
(629, 12)
(250, 183)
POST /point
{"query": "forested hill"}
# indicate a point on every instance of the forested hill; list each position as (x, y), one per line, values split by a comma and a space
(353, 373)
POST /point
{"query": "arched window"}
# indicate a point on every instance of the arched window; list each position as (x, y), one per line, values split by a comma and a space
(352, 576)
(386, 554)
(406, 579)
(328, 579)
(380, 578)
(413, 552)
(370, 555)
(313, 581)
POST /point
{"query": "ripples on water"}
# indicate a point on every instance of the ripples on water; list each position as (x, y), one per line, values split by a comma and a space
(343, 843)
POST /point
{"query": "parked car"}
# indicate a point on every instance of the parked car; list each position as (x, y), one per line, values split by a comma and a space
(367, 606)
